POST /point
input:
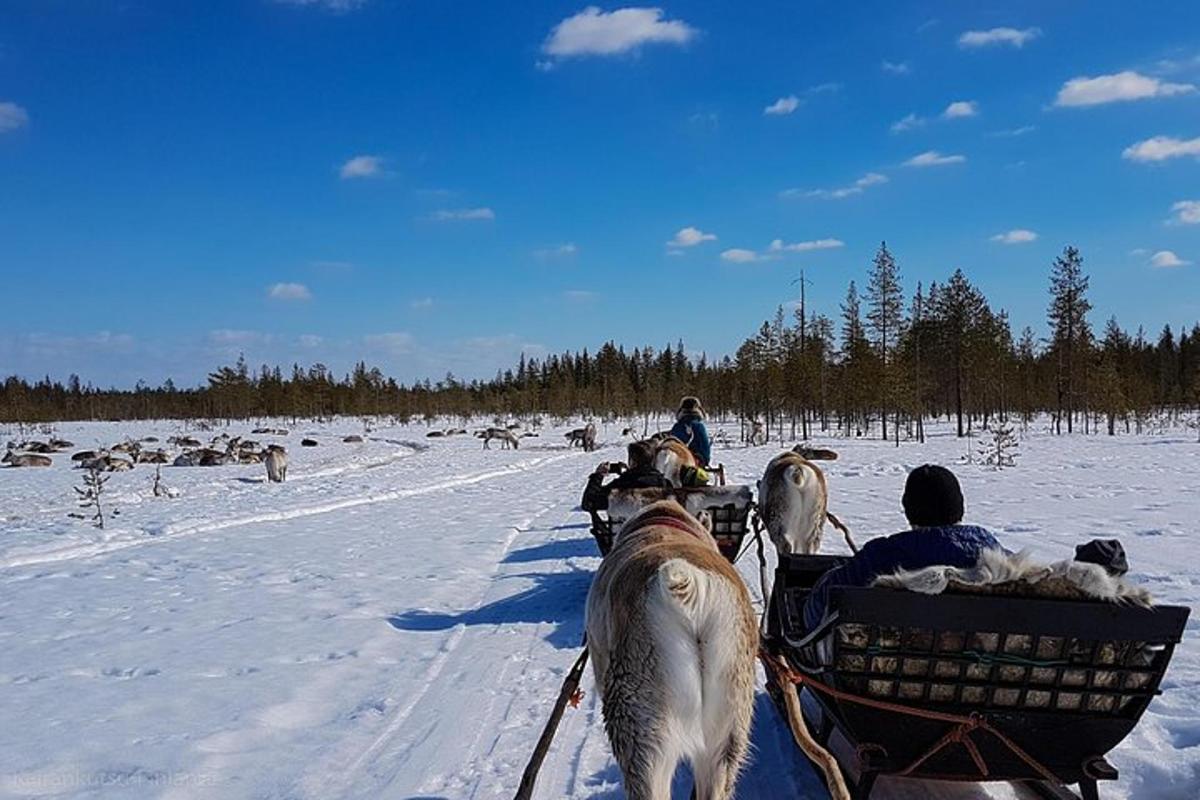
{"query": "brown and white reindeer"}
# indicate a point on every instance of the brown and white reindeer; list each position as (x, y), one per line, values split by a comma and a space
(14, 459)
(585, 437)
(673, 641)
(672, 457)
(793, 501)
(275, 458)
(506, 438)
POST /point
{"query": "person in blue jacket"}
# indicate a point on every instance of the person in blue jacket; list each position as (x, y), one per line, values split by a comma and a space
(933, 504)
(689, 429)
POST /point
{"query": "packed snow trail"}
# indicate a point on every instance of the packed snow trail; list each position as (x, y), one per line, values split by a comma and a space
(395, 621)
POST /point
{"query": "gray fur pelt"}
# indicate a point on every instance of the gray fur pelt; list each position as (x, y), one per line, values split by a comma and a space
(998, 572)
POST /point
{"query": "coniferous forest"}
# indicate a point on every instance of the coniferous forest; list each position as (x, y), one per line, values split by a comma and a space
(880, 366)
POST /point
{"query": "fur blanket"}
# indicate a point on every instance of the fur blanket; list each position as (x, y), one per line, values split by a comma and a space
(998, 572)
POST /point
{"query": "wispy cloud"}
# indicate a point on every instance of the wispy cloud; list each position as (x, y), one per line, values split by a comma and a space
(783, 106)
(1161, 148)
(998, 36)
(1165, 259)
(393, 343)
(690, 237)
(579, 295)
(1011, 132)
(907, 123)
(1015, 236)
(870, 179)
(362, 167)
(593, 32)
(896, 68)
(289, 292)
(12, 116)
(932, 158)
(1117, 88)
(421, 304)
(1187, 212)
(462, 214)
(738, 255)
(961, 108)
(564, 250)
(779, 246)
(337, 6)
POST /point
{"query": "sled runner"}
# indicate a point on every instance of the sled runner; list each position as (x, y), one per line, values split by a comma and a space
(729, 507)
(968, 687)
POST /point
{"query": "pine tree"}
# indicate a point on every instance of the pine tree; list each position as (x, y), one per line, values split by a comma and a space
(1070, 334)
(885, 315)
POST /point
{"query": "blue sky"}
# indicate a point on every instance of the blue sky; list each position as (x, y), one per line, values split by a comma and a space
(437, 186)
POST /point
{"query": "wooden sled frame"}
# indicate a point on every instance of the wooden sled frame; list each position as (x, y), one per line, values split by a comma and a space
(729, 507)
(970, 687)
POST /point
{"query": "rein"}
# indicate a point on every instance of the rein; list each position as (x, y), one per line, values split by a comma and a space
(670, 522)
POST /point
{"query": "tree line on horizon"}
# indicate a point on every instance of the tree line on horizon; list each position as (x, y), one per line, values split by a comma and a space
(885, 366)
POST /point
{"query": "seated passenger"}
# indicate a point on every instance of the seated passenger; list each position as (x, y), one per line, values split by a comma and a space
(689, 429)
(640, 474)
(933, 504)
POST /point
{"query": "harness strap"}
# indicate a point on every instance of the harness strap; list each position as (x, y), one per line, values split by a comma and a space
(670, 522)
(960, 733)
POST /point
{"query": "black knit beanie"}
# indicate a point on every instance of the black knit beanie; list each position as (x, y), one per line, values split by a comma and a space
(932, 497)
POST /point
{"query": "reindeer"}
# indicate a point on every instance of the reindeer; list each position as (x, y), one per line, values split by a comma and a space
(673, 641)
(507, 438)
(14, 459)
(758, 433)
(585, 437)
(672, 457)
(275, 457)
(793, 499)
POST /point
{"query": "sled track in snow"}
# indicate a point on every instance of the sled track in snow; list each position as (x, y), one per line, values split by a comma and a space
(173, 532)
(328, 781)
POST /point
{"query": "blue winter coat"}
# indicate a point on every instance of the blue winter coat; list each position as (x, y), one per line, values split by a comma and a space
(691, 431)
(953, 545)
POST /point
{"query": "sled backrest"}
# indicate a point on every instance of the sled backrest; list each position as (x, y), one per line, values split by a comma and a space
(729, 507)
(986, 652)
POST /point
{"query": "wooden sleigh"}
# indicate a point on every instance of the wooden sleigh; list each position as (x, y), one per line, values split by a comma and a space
(729, 507)
(968, 687)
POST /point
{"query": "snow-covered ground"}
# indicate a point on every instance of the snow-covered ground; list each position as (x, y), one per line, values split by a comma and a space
(395, 620)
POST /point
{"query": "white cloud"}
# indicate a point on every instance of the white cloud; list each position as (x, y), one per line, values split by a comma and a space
(579, 295)
(593, 32)
(932, 158)
(738, 255)
(784, 105)
(1187, 212)
(362, 167)
(1015, 236)
(870, 179)
(901, 68)
(779, 246)
(1121, 87)
(690, 237)
(395, 343)
(462, 214)
(961, 108)
(1166, 258)
(339, 6)
(909, 123)
(564, 250)
(421, 303)
(311, 340)
(12, 116)
(1160, 148)
(1009, 132)
(1010, 36)
(289, 292)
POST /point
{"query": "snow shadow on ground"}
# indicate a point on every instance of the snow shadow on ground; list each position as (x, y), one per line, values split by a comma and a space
(556, 598)
(557, 550)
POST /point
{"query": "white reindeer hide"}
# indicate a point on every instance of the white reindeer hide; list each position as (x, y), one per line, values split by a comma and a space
(996, 567)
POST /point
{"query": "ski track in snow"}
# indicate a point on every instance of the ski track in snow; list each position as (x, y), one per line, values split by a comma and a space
(395, 621)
